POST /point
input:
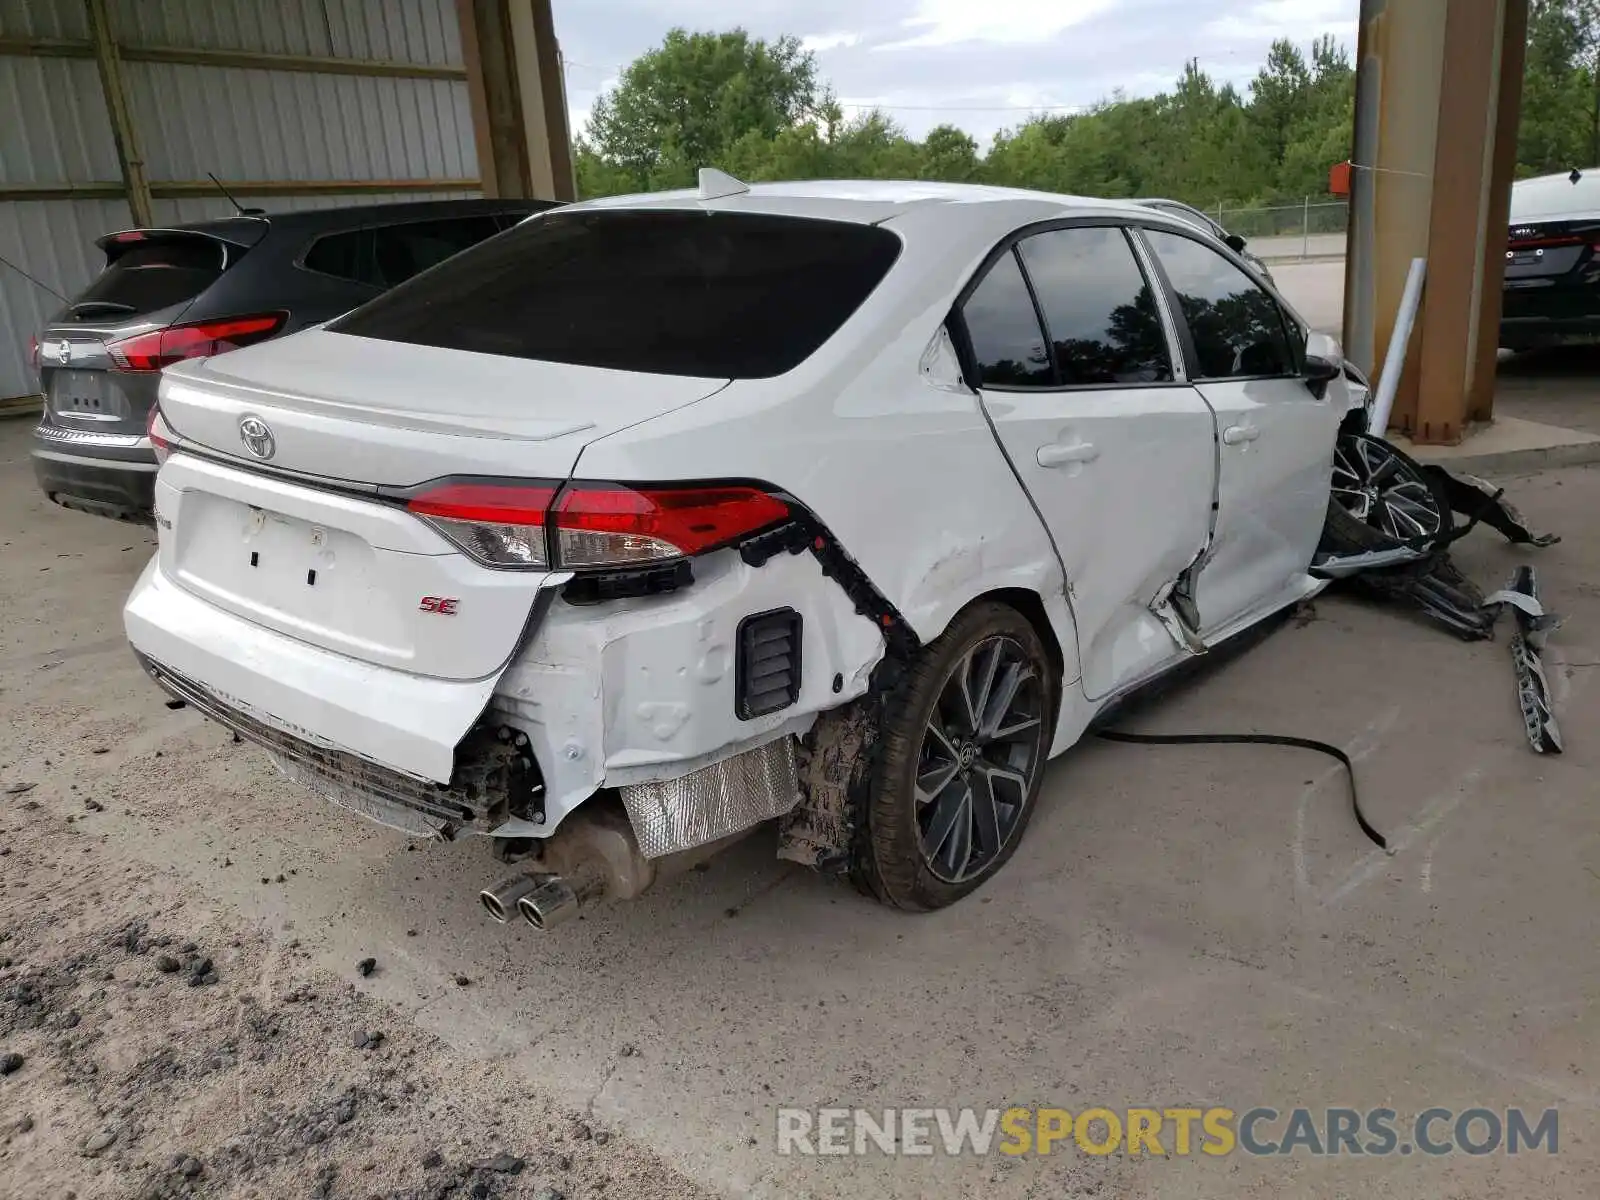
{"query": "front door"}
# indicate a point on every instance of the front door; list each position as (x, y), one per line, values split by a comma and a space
(1275, 436)
(1116, 452)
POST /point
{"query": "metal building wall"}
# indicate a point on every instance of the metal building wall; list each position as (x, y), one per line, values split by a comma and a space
(382, 114)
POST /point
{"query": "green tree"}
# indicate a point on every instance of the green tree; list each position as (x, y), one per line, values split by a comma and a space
(949, 154)
(1560, 124)
(682, 105)
(759, 110)
(1278, 96)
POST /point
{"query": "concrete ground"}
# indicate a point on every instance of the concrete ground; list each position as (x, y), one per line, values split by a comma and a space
(1182, 925)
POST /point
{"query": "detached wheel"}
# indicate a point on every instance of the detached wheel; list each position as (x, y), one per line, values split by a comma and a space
(1380, 498)
(964, 747)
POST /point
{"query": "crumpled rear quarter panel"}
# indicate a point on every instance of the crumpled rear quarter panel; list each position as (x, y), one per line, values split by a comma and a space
(641, 690)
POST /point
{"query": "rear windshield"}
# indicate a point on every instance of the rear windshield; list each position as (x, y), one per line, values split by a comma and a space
(155, 274)
(740, 296)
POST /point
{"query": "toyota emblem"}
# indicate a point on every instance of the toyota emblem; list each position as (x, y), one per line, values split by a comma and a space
(257, 437)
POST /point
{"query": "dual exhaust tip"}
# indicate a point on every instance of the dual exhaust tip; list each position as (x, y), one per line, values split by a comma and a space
(543, 901)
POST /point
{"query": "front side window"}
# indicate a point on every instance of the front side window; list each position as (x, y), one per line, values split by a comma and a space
(1003, 328)
(657, 291)
(1237, 327)
(1098, 307)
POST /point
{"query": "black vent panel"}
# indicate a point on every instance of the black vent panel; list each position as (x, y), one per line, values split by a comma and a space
(767, 669)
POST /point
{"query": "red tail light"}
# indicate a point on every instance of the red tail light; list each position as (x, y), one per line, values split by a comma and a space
(500, 525)
(1535, 243)
(581, 525)
(608, 524)
(163, 347)
(33, 352)
(157, 430)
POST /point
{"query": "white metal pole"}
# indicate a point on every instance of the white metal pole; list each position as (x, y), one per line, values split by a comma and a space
(1305, 229)
(1394, 362)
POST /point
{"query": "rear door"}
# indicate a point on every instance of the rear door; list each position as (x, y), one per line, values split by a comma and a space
(1275, 436)
(1116, 450)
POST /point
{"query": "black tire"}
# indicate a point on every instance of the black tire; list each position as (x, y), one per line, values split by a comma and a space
(889, 860)
(1347, 533)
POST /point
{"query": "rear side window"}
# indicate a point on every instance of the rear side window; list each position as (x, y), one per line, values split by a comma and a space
(1098, 308)
(343, 255)
(401, 251)
(1003, 328)
(1236, 325)
(384, 255)
(723, 295)
(155, 274)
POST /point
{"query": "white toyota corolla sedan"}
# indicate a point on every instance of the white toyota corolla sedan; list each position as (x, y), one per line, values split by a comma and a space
(658, 517)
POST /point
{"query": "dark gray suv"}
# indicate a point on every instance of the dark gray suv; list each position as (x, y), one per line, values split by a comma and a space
(206, 288)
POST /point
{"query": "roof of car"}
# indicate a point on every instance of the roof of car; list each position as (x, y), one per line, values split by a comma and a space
(346, 216)
(865, 200)
(1552, 197)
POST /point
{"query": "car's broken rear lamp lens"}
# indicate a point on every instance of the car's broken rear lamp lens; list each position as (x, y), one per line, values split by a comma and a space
(500, 525)
(612, 525)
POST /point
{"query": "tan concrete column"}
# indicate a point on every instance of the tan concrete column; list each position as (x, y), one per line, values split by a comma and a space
(1508, 114)
(1436, 104)
(519, 105)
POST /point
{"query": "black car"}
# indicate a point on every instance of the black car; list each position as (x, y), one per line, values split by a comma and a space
(1552, 283)
(206, 288)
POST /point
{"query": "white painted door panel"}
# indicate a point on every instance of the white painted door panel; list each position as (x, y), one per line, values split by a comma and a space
(1272, 499)
(1123, 480)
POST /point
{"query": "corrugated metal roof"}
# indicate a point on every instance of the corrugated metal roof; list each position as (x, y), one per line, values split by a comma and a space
(52, 240)
(283, 27)
(240, 124)
(411, 31)
(54, 127)
(249, 124)
(43, 18)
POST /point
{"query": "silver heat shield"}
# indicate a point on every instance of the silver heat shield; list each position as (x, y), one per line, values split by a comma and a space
(715, 801)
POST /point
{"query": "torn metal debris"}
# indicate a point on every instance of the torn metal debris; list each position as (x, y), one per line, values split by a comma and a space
(1388, 534)
(1521, 595)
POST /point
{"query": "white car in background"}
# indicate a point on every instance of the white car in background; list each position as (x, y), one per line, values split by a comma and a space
(660, 516)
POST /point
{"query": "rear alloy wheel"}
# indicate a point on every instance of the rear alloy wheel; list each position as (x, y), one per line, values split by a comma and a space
(1380, 498)
(964, 750)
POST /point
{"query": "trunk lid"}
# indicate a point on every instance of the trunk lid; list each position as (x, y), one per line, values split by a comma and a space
(344, 573)
(315, 553)
(1547, 250)
(373, 413)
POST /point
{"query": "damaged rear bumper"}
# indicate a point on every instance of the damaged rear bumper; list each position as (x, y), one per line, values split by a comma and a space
(641, 696)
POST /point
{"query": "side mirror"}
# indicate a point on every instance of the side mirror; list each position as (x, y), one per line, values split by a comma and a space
(1234, 242)
(1319, 372)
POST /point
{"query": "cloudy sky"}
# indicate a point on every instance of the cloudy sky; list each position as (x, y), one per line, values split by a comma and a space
(979, 64)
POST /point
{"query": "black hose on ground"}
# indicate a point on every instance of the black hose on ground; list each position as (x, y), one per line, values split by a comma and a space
(1260, 739)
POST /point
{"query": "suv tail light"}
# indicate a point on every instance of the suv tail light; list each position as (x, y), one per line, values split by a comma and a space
(33, 352)
(163, 347)
(588, 525)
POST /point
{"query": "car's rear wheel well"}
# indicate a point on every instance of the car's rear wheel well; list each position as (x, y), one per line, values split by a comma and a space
(1031, 606)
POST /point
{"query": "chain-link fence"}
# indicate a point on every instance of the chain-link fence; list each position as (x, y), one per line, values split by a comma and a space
(1314, 228)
